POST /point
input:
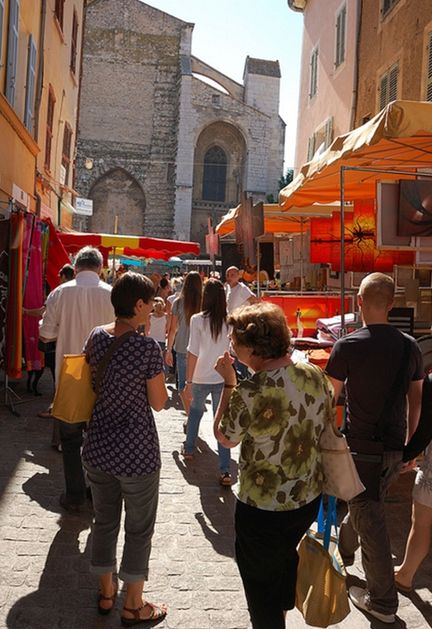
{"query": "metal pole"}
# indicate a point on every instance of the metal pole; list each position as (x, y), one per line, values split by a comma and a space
(301, 256)
(342, 252)
(258, 268)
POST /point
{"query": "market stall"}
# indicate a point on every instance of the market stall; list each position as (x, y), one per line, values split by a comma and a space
(394, 145)
(135, 246)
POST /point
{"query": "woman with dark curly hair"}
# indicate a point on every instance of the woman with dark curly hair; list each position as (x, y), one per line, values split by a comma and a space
(277, 415)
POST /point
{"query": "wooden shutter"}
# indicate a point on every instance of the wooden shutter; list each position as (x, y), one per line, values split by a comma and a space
(340, 37)
(328, 132)
(383, 91)
(429, 70)
(74, 43)
(1, 27)
(393, 84)
(313, 73)
(49, 127)
(12, 51)
(311, 147)
(30, 85)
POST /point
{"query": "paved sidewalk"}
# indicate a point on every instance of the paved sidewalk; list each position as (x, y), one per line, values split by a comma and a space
(44, 553)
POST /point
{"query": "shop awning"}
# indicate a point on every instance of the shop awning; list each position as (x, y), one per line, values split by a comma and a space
(139, 246)
(398, 138)
(275, 219)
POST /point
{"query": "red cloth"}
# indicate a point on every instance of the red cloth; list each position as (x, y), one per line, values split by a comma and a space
(33, 298)
(57, 257)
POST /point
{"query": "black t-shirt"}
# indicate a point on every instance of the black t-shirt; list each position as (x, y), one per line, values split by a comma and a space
(369, 360)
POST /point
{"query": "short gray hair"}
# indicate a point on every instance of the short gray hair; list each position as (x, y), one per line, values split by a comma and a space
(88, 259)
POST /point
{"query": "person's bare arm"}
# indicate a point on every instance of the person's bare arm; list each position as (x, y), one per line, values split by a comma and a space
(224, 366)
(191, 362)
(156, 392)
(414, 396)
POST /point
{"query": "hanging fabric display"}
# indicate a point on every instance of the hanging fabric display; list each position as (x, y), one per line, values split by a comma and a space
(361, 253)
(56, 256)
(15, 295)
(33, 299)
(4, 272)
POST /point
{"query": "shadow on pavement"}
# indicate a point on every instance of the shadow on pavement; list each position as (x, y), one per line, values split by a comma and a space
(218, 503)
(66, 592)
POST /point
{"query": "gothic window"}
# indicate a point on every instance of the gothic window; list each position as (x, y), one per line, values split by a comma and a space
(214, 176)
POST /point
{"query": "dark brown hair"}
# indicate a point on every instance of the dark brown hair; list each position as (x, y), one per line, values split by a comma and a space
(214, 306)
(263, 328)
(192, 294)
(127, 290)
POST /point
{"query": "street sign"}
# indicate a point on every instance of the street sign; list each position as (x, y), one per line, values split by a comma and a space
(84, 206)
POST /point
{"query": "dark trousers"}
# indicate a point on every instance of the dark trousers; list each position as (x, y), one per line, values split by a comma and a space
(366, 525)
(71, 436)
(266, 553)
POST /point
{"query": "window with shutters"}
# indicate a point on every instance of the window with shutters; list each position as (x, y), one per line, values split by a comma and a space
(388, 86)
(429, 69)
(214, 175)
(49, 127)
(66, 152)
(12, 51)
(1, 27)
(387, 6)
(74, 43)
(313, 73)
(30, 85)
(340, 36)
(59, 12)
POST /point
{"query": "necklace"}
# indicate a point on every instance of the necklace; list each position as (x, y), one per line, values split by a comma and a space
(129, 325)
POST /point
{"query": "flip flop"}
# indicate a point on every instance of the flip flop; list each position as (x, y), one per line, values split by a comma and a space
(157, 612)
(104, 610)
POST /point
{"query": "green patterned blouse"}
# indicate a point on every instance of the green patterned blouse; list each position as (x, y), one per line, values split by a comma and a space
(278, 416)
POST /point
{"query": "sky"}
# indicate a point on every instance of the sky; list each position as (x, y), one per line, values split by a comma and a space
(226, 31)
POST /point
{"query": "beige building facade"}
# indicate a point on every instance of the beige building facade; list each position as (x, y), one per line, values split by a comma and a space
(395, 54)
(327, 94)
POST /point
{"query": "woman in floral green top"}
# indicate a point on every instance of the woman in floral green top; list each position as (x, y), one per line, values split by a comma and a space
(277, 416)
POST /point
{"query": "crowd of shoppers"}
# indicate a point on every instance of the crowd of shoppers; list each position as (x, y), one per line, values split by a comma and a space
(226, 344)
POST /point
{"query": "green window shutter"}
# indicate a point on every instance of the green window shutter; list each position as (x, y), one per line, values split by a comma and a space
(30, 85)
(328, 132)
(12, 51)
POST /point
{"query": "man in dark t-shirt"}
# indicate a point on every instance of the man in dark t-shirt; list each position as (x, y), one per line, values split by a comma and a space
(369, 361)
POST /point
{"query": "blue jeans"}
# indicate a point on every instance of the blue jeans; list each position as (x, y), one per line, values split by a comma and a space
(181, 370)
(199, 396)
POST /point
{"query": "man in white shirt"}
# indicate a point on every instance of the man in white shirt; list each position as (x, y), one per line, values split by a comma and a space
(72, 311)
(237, 293)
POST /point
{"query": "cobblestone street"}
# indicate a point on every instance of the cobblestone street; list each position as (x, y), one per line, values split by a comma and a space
(44, 552)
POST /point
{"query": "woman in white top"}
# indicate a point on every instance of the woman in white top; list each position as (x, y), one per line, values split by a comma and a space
(207, 341)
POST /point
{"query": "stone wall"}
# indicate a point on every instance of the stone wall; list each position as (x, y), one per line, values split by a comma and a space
(129, 108)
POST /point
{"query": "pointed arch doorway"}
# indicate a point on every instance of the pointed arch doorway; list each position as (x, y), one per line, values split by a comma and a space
(117, 193)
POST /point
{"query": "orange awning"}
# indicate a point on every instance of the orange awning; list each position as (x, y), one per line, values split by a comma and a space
(275, 219)
(398, 138)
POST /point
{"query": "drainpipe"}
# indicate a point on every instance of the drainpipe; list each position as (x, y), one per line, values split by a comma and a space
(356, 65)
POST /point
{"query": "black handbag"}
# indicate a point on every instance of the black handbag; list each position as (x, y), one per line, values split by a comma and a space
(47, 347)
(368, 453)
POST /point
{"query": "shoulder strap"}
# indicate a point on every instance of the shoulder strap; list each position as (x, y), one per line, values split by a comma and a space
(396, 386)
(102, 367)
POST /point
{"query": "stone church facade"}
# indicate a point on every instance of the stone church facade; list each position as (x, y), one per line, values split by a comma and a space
(159, 147)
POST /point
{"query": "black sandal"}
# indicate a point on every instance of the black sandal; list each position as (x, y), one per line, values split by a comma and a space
(157, 613)
(106, 610)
